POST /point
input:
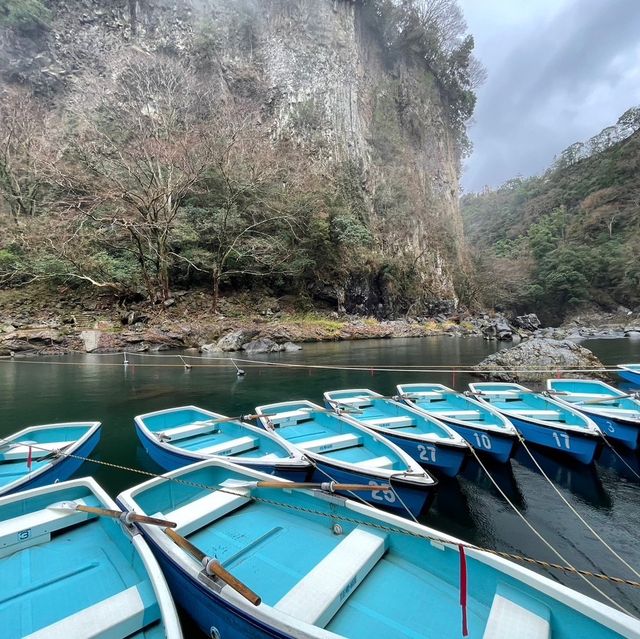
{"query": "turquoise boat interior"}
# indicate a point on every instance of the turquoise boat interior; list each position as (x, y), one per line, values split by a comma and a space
(521, 402)
(37, 443)
(370, 409)
(353, 571)
(65, 573)
(314, 430)
(195, 430)
(441, 401)
(581, 392)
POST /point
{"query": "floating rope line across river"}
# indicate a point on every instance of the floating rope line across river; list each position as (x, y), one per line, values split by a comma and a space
(567, 568)
(230, 362)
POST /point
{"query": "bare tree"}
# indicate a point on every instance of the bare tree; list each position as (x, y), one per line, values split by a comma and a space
(24, 152)
(144, 144)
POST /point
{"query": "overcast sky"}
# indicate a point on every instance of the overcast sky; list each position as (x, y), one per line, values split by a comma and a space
(559, 71)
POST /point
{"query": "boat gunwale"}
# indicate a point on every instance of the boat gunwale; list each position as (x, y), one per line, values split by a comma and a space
(168, 613)
(593, 609)
(506, 430)
(414, 474)
(590, 429)
(93, 427)
(454, 440)
(295, 459)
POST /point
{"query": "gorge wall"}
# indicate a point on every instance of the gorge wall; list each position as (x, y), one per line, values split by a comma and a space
(323, 79)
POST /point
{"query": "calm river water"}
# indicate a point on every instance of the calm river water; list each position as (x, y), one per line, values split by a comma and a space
(98, 387)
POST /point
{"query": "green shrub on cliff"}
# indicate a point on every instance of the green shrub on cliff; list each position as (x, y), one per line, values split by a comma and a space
(24, 16)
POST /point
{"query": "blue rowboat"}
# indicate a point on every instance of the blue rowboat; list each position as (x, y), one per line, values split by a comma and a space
(179, 436)
(485, 429)
(630, 372)
(427, 440)
(542, 420)
(70, 574)
(39, 455)
(617, 414)
(342, 450)
(329, 568)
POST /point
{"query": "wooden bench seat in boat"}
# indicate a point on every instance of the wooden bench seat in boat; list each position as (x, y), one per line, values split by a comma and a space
(317, 597)
(507, 620)
(115, 617)
(201, 427)
(36, 527)
(21, 451)
(230, 447)
(377, 462)
(203, 511)
(458, 414)
(537, 414)
(401, 421)
(290, 417)
(335, 442)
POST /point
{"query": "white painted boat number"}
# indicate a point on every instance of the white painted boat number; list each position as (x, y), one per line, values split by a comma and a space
(565, 440)
(483, 440)
(427, 453)
(382, 495)
(610, 427)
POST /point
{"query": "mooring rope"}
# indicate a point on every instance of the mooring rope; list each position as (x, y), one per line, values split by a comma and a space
(253, 363)
(618, 455)
(541, 536)
(568, 568)
(575, 512)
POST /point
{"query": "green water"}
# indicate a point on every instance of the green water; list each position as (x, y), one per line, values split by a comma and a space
(99, 387)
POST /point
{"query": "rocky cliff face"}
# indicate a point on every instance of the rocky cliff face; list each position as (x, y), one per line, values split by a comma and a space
(319, 73)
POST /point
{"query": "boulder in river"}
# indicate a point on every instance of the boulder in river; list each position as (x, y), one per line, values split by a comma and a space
(537, 359)
(262, 345)
(234, 340)
(529, 322)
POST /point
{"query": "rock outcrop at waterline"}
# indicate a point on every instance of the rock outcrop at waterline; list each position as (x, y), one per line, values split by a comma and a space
(538, 359)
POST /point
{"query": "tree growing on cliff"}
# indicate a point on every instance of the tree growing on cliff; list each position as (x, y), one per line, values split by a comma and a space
(24, 154)
(143, 144)
(247, 221)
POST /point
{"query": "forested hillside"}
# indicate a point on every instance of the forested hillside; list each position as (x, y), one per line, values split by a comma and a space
(292, 146)
(572, 236)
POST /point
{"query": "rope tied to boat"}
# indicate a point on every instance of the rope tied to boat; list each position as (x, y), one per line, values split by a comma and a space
(567, 568)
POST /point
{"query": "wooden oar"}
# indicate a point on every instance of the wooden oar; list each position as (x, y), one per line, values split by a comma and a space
(125, 517)
(213, 567)
(241, 418)
(329, 486)
(612, 398)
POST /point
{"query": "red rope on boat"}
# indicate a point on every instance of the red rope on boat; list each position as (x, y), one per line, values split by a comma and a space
(29, 459)
(463, 589)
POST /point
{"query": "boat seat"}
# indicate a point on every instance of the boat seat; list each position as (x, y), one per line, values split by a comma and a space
(538, 414)
(377, 462)
(390, 422)
(290, 418)
(200, 427)
(21, 451)
(458, 414)
(318, 596)
(36, 527)
(409, 394)
(115, 617)
(335, 442)
(507, 620)
(230, 447)
(357, 402)
(200, 512)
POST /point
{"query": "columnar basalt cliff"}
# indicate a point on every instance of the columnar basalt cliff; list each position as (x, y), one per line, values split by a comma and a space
(325, 81)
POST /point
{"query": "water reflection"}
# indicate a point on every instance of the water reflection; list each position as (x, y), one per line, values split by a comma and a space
(580, 479)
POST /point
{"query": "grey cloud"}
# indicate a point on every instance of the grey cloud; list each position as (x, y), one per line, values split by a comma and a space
(541, 81)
